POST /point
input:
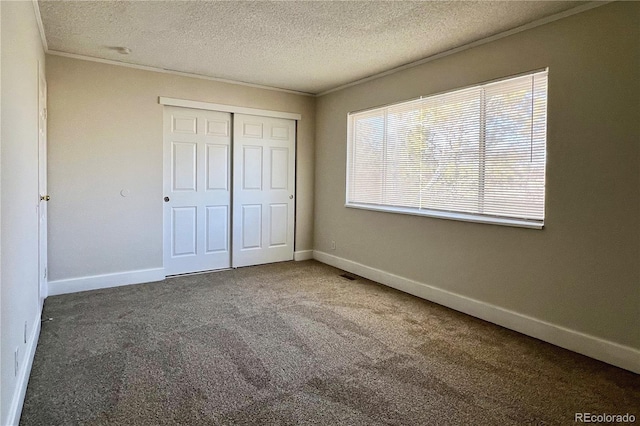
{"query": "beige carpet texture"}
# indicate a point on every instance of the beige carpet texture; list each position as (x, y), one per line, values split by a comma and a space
(295, 343)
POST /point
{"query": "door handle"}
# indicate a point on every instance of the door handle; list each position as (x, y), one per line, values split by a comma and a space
(44, 198)
(291, 197)
(166, 199)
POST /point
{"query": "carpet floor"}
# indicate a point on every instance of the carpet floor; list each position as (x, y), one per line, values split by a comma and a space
(295, 344)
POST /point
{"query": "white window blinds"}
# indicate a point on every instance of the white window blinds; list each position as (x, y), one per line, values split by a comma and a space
(473, 154)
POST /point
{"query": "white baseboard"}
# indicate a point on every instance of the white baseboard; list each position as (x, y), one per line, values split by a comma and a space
(303, 255)
(17, 401)
(96, 282)
(610, 352)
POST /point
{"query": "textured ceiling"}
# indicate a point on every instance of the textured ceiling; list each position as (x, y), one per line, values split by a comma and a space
(306, 46)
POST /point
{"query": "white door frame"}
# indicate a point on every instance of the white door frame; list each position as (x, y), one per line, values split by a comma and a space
(165, 101)
(42, 186)
(228, 108)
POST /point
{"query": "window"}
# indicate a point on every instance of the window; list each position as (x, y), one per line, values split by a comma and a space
(475, 154)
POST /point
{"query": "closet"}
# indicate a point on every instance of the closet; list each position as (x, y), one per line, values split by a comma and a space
(229, 186)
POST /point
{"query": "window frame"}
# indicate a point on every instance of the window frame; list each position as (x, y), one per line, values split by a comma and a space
(445, 214)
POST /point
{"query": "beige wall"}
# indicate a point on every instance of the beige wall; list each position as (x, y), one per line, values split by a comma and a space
(582, 271)
(105, 135)
(21, 50)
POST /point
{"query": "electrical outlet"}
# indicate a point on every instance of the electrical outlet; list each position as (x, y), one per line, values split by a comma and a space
(16, 357)
(25, 332)
(333, 245)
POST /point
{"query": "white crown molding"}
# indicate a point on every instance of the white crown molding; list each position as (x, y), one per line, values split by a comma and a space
(525, 27)
(43, 37)
(45, 45)
(534, 24)
(174, 72)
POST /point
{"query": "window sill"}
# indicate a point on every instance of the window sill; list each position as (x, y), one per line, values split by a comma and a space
(464, 217)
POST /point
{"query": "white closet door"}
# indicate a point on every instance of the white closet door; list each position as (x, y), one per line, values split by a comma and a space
(263, 189)
(197, 209)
